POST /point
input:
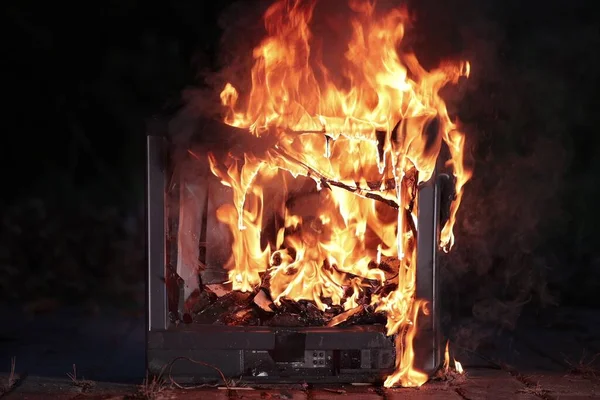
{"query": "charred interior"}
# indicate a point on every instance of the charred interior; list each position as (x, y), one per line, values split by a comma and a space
(195, 312)
(299, 236)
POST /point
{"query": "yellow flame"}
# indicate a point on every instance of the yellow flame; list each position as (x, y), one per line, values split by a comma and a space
(368, 139)
(457, 365)
(446, 366)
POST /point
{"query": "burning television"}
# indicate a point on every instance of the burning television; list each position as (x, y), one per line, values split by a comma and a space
(298, 237)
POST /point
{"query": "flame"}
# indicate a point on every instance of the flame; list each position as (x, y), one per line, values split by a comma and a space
(457, 365)
(369, 138)
(446, 366)
(405, 374)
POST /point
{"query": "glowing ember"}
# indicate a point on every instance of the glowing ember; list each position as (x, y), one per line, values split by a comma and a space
(362, 141)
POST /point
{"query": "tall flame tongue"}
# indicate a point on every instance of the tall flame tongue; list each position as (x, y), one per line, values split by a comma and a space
(366, 140)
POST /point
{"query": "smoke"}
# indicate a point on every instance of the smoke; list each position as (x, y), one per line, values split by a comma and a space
(506, 259)
(502, 261)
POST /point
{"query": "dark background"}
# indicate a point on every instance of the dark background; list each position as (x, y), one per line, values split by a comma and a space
(81, 81)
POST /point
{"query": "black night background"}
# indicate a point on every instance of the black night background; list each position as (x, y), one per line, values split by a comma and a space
(81, 82)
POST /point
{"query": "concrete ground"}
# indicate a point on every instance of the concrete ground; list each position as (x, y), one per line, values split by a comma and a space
(479, 384)
(72, 354)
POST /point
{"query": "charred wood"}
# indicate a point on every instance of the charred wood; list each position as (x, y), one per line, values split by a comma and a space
(380, 143)
(263, 300)
(365, 317)
(368, 192)
(222, 139)
(386, 289)
(447, 196)
(303, 313)
(242, 317)
(230, 303)
(199, 300)
(338, 319)
(174, 285)
(411, 223)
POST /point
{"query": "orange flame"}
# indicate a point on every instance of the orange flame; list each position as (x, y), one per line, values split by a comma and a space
(446, 366)
(457, 365)
(364, 140)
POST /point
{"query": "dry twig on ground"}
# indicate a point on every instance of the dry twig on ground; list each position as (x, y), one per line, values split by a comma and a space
(84, 384)
(11, 381)
(586, 366)
(151, 388)
(536, 390)
(450, 376)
